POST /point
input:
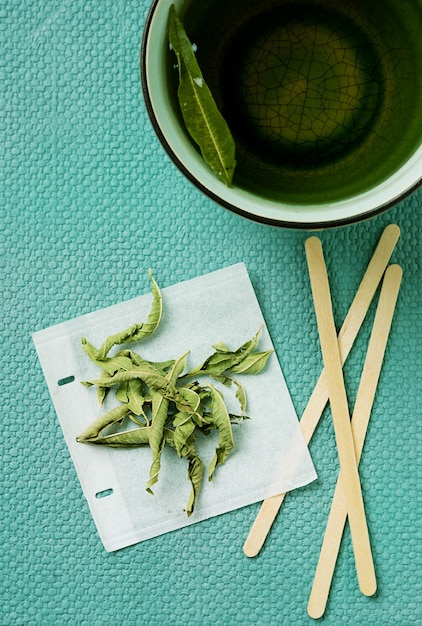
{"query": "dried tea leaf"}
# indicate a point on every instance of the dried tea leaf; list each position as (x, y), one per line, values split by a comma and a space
(136, 360)
(221, 419)
(157, 438)
(241, 396)
(136, 332)
(127, 439)
(91, 433)
(131, 393)
(160, 406)
(183, 431)
(228, 381)
(195, 473)
(223, 360)
(150, 376)
(202, 118)
(252, 363)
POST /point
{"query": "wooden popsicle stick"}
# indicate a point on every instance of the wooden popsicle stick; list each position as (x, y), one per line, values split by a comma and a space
(318, 400)
(340, 414)
(360, 420)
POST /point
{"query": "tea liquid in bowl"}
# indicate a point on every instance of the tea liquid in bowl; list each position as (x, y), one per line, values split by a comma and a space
(324, 99)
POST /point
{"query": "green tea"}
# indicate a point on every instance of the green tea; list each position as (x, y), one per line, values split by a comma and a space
(323, 99)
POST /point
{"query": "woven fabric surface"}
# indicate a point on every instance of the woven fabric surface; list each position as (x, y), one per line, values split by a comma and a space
(89, 202)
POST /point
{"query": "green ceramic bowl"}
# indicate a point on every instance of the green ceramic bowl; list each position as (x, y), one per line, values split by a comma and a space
(324, 102)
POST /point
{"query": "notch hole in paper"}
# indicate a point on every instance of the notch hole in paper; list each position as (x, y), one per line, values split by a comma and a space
(65, 381)
(104, 493)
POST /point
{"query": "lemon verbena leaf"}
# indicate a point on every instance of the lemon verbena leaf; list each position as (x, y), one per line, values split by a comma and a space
(201, 116)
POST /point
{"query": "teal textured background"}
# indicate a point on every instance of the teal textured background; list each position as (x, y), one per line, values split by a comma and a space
(89, 201)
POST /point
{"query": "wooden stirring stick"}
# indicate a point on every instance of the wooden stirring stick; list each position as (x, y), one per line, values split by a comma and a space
(360, 420)
(341, 418)
(319, 397)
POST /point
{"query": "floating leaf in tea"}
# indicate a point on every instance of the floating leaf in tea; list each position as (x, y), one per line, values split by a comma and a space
(201, 116)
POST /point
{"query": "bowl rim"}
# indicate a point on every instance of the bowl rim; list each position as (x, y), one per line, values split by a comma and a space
(255, 217)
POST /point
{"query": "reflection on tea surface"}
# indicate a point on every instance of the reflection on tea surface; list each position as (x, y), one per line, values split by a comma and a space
(301, 89)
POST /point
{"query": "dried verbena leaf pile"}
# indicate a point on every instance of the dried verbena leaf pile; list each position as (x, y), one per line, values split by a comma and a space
(162, 404)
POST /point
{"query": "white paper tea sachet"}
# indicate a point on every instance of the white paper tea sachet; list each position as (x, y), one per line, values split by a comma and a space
(270, 455)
